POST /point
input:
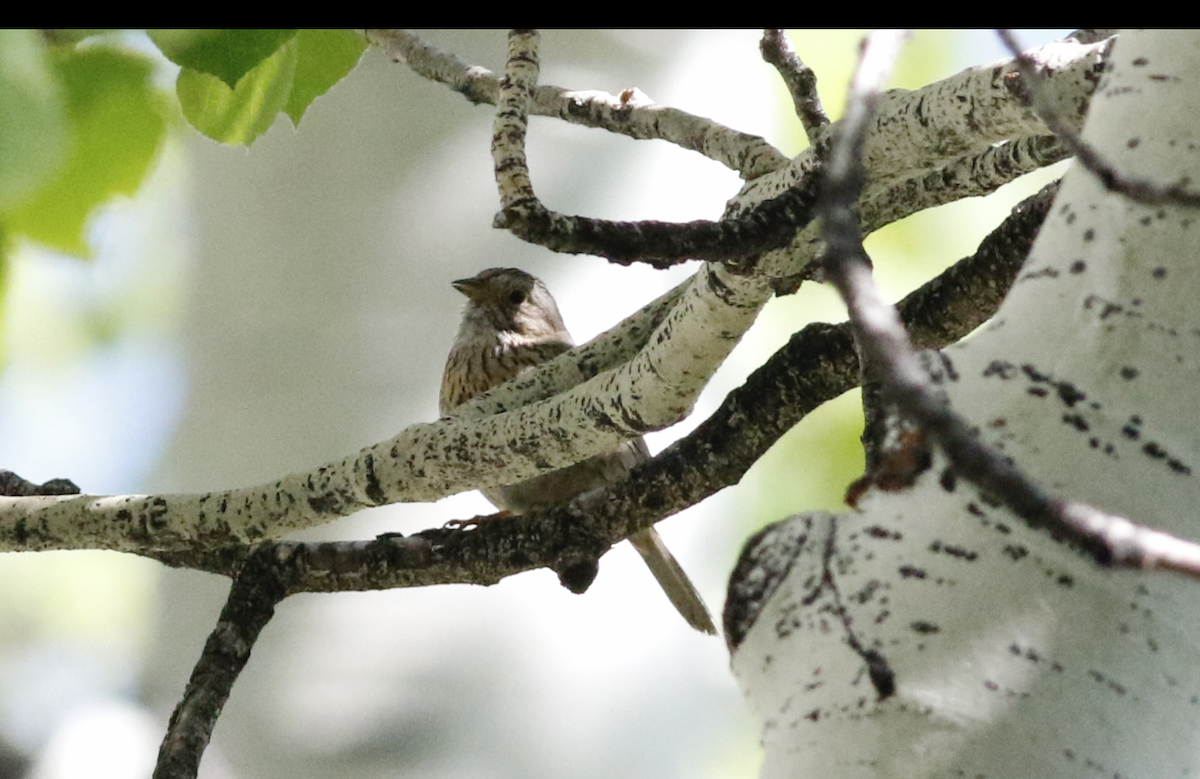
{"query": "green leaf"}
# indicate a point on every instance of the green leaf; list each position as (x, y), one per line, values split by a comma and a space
(325, 57)
(238, 115)
(33, 135)
(116, 121)
(227, 54)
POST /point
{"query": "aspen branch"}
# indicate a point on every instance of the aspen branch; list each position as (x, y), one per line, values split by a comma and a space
(972, 176)
(256, 590)
(975, 109)
(817, 365)
(631, 113)
(428, 461)
(982, 137)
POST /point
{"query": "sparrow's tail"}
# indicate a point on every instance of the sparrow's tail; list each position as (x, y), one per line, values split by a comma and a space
(673, 580)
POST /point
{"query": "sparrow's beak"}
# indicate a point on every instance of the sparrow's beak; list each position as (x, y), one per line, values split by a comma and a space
(471, 287)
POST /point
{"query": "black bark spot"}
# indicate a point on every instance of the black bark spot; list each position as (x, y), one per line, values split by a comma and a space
(373, 489)
(1076, 421)
(1069, 394)
(883, 678)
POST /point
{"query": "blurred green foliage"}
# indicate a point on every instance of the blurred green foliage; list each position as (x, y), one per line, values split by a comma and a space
(112, 123)
(82, 121)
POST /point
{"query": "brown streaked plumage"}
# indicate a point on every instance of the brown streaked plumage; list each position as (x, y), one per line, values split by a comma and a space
(511, 323)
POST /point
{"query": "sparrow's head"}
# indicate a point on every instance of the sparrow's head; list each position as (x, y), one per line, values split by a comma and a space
(510, 301)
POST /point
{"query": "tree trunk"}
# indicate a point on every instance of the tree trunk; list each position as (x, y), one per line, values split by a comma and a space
(935, 634)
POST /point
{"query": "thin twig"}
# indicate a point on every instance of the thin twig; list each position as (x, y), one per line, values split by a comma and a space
(1136, 188)
(512, 110)
(631, 113)
(843, 184)
(800, 80)
(256, 590)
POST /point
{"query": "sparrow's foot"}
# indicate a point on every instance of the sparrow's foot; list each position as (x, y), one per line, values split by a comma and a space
(477, 521)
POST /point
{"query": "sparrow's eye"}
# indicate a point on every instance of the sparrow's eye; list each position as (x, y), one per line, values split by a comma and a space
(516, 297)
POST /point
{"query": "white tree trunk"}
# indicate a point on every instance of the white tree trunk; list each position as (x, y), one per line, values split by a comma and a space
(932, 634)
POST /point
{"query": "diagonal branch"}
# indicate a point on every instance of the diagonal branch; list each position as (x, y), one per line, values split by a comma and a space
(257, 588)
(816, 365)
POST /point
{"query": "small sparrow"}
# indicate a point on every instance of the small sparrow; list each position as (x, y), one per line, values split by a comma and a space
(511, 324)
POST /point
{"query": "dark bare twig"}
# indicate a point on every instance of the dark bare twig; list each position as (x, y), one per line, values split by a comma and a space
(1110, 540)
(800, 80)
(257, 588)
(1136, 188)
(14, 486)
(737, 242)
(843, 185)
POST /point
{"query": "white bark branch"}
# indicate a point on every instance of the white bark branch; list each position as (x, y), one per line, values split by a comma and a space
(631, 113)
(938, 128)
(616, 391)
